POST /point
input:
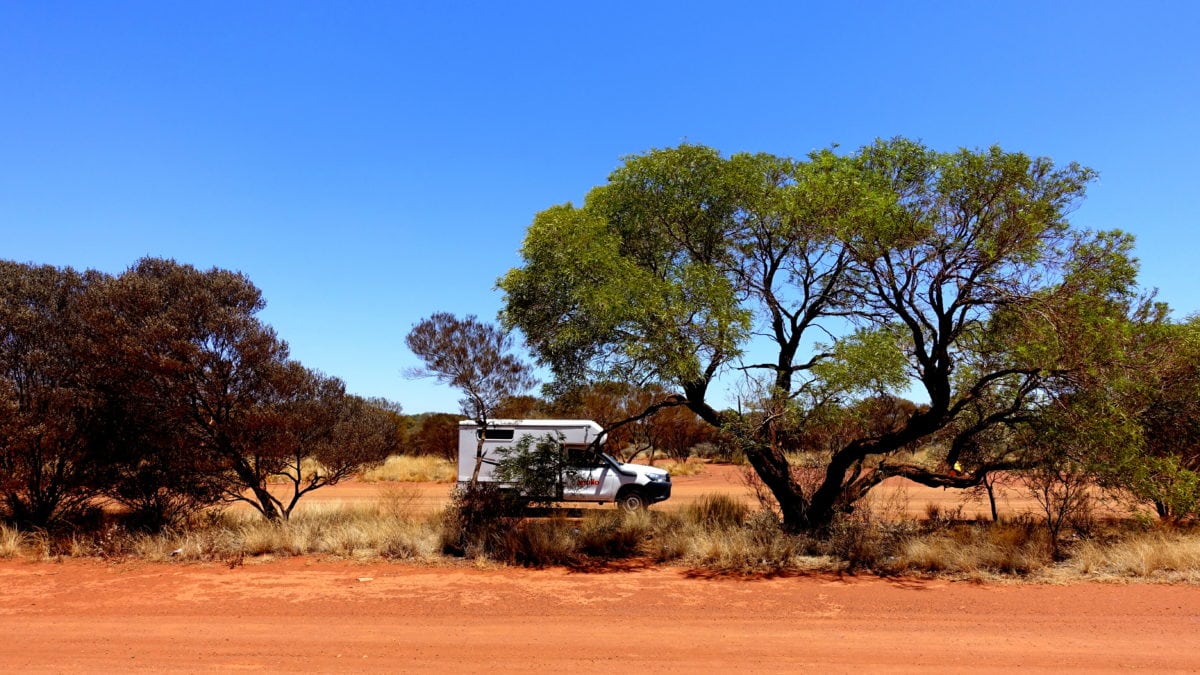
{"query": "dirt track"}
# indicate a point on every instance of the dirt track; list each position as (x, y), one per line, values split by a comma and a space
(308, 615)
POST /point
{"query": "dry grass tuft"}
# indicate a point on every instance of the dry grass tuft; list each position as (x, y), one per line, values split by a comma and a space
(757, 547)
(973, 549)
(716, 511)
(412, 469)
(689, 467)
(614, 534)
(12, 541)
(1166, 555)
(366, 532)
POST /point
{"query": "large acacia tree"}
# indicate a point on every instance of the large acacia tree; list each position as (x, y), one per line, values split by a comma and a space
(891, 269)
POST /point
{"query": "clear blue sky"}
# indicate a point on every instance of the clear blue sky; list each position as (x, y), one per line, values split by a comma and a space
(367, 164)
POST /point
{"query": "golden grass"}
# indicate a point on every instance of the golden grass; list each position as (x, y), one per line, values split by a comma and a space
(717, 534)
(325, 529)
(412, 469)
(12, 542)
(689, 467)
(973, 550)
(1170, 556)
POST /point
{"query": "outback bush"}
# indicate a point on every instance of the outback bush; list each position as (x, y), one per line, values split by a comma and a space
(703, 250)
(478, 519)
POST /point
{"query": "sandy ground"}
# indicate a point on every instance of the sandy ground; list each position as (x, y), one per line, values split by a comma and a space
(310, 615)
(894, 496)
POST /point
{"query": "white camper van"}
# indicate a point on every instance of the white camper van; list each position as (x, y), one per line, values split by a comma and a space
(595, 475)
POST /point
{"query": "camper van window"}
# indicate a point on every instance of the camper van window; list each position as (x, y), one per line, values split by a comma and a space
(582, 457)
(498, 434)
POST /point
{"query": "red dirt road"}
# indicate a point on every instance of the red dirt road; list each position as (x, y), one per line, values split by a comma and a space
(309, 615)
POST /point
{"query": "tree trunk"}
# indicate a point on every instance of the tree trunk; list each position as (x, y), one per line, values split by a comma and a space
(772, 467)
(989, 484)
(266, 504)
(823, 506)
(478, 461)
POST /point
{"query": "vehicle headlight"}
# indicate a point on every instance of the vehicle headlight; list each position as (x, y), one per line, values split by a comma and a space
(659, 477)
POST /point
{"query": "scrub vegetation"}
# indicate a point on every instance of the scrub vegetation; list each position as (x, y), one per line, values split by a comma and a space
(717, 535)
(890, 312)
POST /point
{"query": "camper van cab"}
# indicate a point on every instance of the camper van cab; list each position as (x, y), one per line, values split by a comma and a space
(595, 475)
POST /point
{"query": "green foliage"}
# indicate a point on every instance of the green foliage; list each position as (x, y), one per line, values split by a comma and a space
(868, 361)
(1129, 420)
(536, 468)
(957, 273)
(615, 288)
(1173, 488)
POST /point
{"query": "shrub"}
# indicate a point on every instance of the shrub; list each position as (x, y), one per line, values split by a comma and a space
(478, 519)
(614, 534)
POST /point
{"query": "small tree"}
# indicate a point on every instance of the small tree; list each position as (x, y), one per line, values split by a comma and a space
(474, 358)
(315, 436)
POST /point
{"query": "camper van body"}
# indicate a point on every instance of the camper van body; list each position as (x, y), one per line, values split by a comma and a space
(596, 477)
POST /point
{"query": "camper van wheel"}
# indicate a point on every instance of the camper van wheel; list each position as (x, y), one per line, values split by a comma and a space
(631, 500)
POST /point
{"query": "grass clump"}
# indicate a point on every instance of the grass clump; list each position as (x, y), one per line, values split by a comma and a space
(757, 546)
(716, 511)
(412, 469)
(1158, 554)
(691, 466)
(1018, 548)
(12, 542)
(350, 532)
(614, 534)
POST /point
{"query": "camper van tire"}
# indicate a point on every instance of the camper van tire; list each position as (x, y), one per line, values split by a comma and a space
(631, 499)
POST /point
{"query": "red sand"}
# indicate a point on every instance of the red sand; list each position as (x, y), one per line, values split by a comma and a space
(308, 615)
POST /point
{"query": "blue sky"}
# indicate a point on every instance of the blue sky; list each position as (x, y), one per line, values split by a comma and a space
(368, 164)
